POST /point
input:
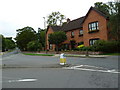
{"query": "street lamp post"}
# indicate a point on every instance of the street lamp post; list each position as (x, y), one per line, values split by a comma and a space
(44, 22)
(45, 36)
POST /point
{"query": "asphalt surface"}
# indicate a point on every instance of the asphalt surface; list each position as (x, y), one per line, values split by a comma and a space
(21, 71)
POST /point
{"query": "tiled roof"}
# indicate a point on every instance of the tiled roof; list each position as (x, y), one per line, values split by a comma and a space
(75, 24)
(56, 28)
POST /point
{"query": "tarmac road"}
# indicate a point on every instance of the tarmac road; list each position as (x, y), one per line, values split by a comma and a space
(23, 71)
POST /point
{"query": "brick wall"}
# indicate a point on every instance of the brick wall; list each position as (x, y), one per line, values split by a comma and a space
(102, 33)
(76, 37)
(47, 34)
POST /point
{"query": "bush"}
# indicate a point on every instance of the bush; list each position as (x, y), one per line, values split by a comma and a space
(80, 46)
(107, 46)
(83, 48)
(34, 46)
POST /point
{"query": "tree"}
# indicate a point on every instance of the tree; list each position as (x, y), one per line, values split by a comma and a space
(9, 43)
(114, 22)
(112, 10)
(24, 36)
(57, 38)
(34, 46)
(102, 7)
(2, 43)
(55, 18)
(41, 36)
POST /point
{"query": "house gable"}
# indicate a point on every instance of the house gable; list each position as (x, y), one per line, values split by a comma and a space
(97, 11)
(92, 17)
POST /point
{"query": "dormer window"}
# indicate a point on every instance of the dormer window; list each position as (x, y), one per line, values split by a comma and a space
(93, 26)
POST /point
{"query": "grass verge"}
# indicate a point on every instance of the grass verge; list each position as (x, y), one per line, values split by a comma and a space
(116, 54)
(34, 54)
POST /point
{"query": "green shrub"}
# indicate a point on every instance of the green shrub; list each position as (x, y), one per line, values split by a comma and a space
(34, 46)
(106, 46)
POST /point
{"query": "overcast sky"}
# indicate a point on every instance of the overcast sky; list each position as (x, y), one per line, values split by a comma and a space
(16, 14)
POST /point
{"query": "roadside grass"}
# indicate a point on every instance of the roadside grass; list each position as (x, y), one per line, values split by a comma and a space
(116, 54)
(34, 54)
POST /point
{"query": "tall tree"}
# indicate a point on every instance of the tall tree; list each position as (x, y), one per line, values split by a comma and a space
(114, 22)
(112, 9)
(55, 18)
(57, 38)
(24, 36)
(102, 7)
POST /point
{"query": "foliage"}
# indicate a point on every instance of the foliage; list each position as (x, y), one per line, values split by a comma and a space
(114, 22)
(112, 10)
(107, 46)
(55, 18)
(6, 43)
(102, 7)
(80, 46)
(34, 46)
(41, 36)
(24, 36)
(57, 38)
(9, 43)
(2, 43)
(89, 48)
(33, 54)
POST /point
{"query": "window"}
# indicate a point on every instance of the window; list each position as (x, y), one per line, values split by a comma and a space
(72, 34)
(92, 41)
(50, 46)
(81, 33)
(93, 26)
(80, 43)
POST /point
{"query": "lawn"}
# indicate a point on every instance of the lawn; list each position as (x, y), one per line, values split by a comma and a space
(34, 54)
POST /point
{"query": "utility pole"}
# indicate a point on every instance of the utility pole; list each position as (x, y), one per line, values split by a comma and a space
(45, 36)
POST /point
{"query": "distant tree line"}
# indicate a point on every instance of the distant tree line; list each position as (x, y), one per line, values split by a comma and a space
(6, 43)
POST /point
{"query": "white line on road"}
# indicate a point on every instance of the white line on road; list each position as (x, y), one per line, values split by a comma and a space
(81, 67)
(23, 80)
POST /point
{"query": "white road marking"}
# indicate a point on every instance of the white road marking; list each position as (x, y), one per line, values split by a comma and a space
(23, 80)
(97, 69)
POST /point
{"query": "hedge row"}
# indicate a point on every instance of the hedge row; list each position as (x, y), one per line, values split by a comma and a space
(103, 46)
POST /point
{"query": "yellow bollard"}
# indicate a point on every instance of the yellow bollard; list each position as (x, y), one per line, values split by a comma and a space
(62, 59)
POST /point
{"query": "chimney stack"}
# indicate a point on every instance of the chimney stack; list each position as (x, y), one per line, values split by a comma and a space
(68, 20)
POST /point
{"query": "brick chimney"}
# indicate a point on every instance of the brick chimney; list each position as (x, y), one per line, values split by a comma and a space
(68, 20)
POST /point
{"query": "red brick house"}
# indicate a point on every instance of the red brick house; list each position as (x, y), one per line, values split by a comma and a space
(84, 30)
